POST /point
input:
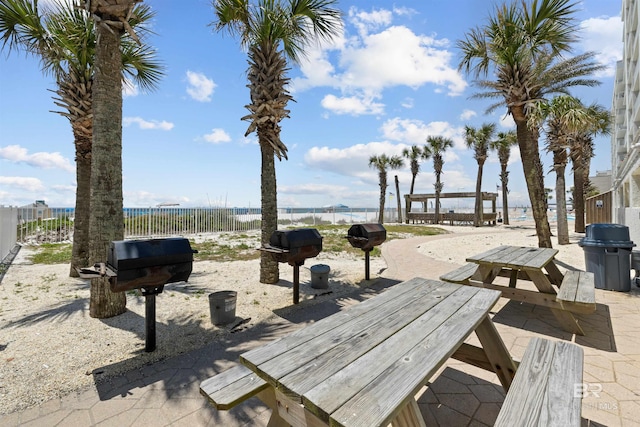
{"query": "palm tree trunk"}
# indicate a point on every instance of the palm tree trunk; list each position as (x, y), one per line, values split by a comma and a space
(107, 222)
(413, 181)
(269, 269)
(80, 250)
(398, 199)
(504, 179)
(477, 217)
(383, 192)
(561, 206)
(532, 167)
(578, 197)
(437, 208)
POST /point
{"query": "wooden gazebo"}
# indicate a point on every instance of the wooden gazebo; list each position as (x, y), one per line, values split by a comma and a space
(450, 217)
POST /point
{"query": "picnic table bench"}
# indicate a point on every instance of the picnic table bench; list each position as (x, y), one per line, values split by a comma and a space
(544, 391)
(576, 289)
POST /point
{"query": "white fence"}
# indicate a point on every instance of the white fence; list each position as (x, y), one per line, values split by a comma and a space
(56, 224)
(8, 230)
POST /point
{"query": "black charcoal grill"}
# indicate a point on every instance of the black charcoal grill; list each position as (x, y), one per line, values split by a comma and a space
(366, 237)
(147, 265)
(294, 247)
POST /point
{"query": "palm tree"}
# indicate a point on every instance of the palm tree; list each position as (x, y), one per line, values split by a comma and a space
(273, 31)
(596, 120)
(503, 146)
(522, 45)
(413, 154)
(383, 163)
(563, 118)
(436, 146)
(63, 37)
(106, 222)
(479, 140)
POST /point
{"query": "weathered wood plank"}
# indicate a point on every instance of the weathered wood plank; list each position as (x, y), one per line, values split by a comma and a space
(327, 357)
(393, 387)
(543, 390)
(496, 352)
(522, 295)
(577, 292)
(409, 416)
(473, 355)
(367, 309)
(490, 254)
(460, 275)
(555, 276)
(326, 397)
(294, 413)
(226, 389)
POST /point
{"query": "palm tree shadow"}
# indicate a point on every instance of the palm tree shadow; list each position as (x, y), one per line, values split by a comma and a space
(57, 313)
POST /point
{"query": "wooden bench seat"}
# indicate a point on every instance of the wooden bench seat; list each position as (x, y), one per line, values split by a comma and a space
(231, 387)
(461, 275)
(546, 388)
(577, 292)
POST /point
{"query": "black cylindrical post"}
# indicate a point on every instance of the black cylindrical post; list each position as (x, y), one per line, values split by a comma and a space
(366, 265)
(150, 322)
(296, 283)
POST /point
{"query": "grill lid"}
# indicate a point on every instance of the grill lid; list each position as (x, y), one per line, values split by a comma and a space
(298, 238)
(134, 254)
(366, 236)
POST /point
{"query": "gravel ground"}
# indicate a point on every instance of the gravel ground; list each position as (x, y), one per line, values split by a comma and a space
(50, 346)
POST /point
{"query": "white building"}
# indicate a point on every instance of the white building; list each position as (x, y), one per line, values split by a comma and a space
(625, 135)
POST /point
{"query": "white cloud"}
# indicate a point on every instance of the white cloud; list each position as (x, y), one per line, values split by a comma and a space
(367, 21)
(146, 124)
(22, 183)
(506, 121)
(351, 161)
(397, 56)
(407, 103)
(415, 132)
(380, 56)
(604, 37)
(354, 105)
(199, 86)
(306, 189)
(467, 114)
(217, 136)
(129, 89)
(18, 154)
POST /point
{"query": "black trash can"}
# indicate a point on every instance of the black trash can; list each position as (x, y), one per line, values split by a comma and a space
(607, 254)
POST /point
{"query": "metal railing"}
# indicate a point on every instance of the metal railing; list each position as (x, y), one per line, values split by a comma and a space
(55, 225)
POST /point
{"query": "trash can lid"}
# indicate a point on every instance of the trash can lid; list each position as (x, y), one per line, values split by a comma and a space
(607, 235)
(605, 243)
(320, 268)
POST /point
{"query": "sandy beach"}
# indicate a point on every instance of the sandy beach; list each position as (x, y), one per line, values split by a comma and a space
(52, 347)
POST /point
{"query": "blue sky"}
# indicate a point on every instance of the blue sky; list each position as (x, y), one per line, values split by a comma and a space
(389, 81)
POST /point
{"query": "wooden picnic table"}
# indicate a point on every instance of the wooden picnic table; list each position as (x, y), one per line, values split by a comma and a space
(536, 265)
(364, 365)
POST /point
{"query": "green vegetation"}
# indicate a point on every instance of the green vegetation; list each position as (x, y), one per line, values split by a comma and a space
(53, 253)
(334, 236)
(242, 247)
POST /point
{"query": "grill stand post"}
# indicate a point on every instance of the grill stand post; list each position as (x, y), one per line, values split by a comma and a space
(296, 282)
(150, 316)
(366, 264)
